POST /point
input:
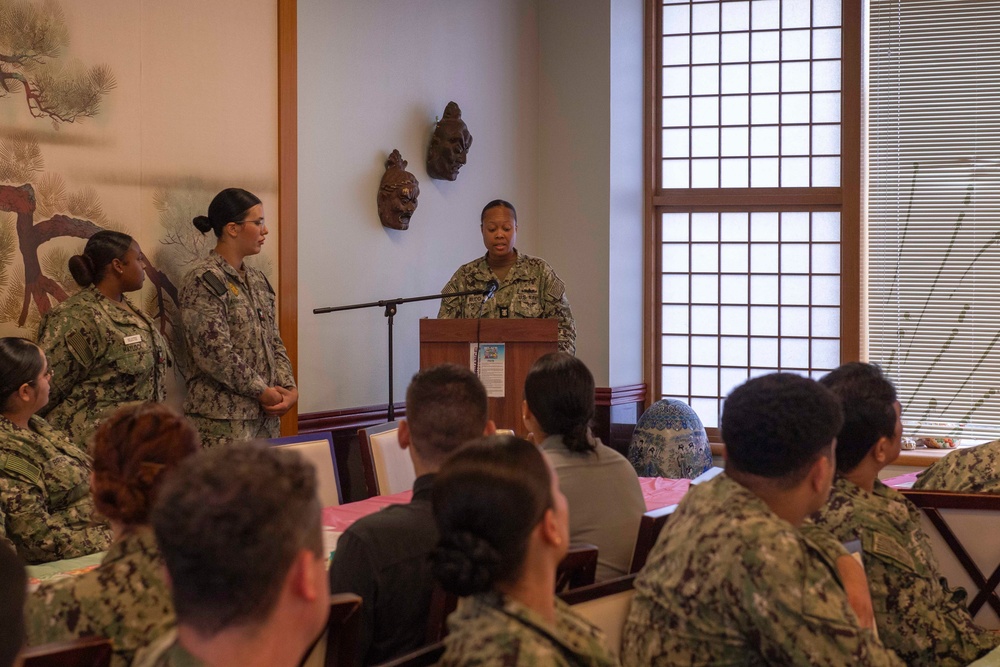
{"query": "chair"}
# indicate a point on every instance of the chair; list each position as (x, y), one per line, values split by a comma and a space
(577, 569)
(86, 652)
(388, 468)
(338, 645)
(317, 448)
(650, 525)
(964, 531)
(422, 657)
(605, 605)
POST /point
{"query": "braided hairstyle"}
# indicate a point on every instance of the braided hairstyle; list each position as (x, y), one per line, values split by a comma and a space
(133, 451)
(488, 497)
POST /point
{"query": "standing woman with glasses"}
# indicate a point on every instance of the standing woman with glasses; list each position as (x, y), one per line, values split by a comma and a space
(239, 378)
(103, 350)
(46, 511)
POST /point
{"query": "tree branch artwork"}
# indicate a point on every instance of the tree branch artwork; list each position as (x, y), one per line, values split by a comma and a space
(33, 37)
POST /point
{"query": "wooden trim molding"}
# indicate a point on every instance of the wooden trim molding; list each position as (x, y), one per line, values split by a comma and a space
(288, 192)
(616, 412)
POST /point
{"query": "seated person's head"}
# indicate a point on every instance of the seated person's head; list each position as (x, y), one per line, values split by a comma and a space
(778, 427)
(133, 451)
(13, 588)
(871, 414)
(445, 407)
(498, 508)
(239, 529)
(24, 376)
(559, 397)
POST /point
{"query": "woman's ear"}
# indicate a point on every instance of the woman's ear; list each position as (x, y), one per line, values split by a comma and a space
(549, 529)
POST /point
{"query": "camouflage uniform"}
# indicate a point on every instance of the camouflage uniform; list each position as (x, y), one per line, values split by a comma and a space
(231, 331)
(491, 629)
(539, 294)
(970, 470)
(917, 615)
(125, 600)
(46, 511)
(731, 583)
(102, 356)
(166, 652)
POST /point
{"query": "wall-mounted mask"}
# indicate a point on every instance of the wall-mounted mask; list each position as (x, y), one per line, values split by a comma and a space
(397, 193)
(449, 145)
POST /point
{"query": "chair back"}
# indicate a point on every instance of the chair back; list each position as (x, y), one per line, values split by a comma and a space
(86, 652)
(388, 468)
(577, 569)
(650, 526)
(964, 531)
(605, 605)
(317, 448)
(338, 645)
(422, 657)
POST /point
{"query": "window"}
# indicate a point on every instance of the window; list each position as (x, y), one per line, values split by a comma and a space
(755, 197)
(933, 297)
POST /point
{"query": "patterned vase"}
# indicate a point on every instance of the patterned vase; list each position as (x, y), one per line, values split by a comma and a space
(670, 441)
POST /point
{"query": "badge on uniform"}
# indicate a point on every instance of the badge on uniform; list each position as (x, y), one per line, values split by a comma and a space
(232, 288)
(132, 340)
(504, 311)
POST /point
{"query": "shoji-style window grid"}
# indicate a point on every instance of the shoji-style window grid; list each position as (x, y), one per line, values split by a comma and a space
(754, 142)
(744, 294)
(751, 94)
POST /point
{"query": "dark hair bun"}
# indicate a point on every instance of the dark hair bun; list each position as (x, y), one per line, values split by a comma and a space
(81, 268)
(465, 564)
(202, 223)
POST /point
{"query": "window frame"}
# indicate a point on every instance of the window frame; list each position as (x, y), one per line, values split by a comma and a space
(846, 199)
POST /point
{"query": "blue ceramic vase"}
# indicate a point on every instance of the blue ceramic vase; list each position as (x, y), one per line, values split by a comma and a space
(670, 441)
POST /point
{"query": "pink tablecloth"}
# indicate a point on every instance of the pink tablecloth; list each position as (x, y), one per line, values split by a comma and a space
(902, 481)
(658, 492)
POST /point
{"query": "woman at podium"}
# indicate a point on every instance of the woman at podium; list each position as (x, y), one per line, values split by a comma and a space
(527, 287)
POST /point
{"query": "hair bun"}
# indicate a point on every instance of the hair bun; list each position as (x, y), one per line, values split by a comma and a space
(202, 223)
(81, 268)
(465, 564)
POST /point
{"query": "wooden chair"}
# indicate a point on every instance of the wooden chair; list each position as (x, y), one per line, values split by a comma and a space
(578, 568)
(388, 468)
(422, 657)
(605, 605)
(649, 530)
(964, 531)
(317, 448)
(86, 652)
(338, 645)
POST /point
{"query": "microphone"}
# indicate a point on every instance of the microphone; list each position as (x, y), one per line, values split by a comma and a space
(491, 288)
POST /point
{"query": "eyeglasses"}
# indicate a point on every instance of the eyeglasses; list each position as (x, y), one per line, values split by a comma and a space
(259, 222)
(47, 375)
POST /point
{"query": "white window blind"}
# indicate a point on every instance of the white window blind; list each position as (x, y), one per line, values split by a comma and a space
(933, 225)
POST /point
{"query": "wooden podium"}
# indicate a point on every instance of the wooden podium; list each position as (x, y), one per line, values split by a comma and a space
(524, 341)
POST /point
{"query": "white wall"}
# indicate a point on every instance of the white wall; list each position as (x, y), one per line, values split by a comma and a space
(590, 174)
(552, 93)
(373, 76)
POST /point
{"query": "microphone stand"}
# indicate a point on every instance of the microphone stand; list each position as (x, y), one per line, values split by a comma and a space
(391, 305)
